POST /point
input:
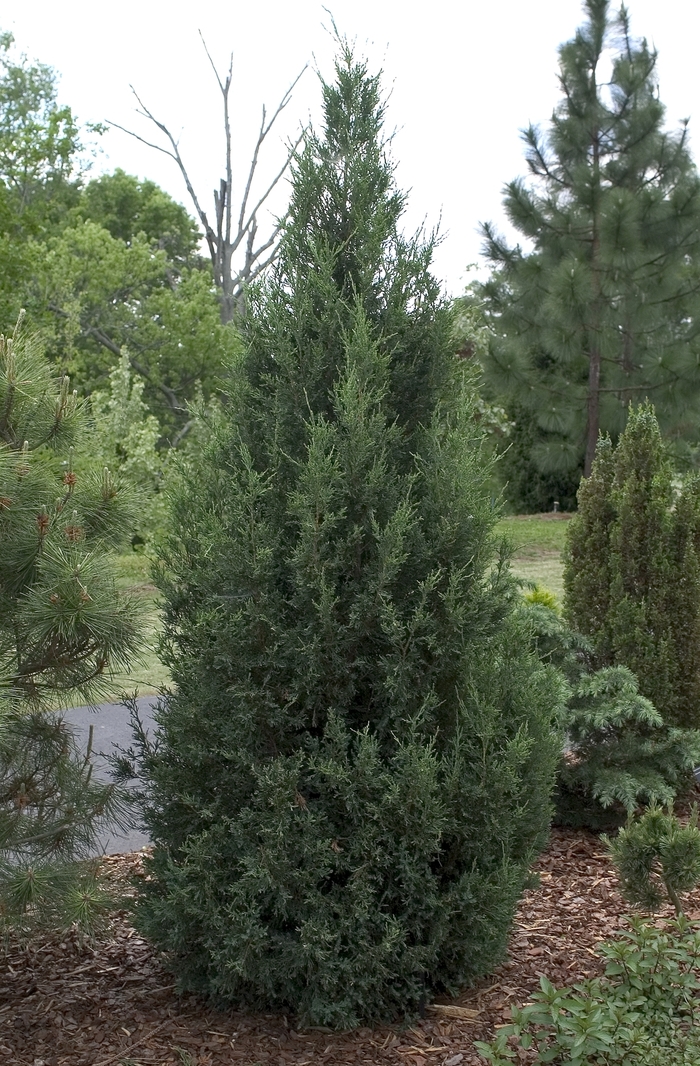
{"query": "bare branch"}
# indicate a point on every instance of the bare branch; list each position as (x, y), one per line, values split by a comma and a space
(175, 154)
(264, 130)
(181, 433)
(221, 241)
(213, 65)
(170, 395)
(264, 265)
(143, 140)
(268, 243)
(290, 155)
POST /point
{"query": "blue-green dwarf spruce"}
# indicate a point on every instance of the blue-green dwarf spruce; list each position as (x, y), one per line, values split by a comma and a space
(353, 773)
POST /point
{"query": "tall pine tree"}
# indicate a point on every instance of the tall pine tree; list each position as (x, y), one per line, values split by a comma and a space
(353, 774)
(598, 309)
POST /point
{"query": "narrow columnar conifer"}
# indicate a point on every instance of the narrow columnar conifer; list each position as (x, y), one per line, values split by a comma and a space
(352, 774)
(632, 572)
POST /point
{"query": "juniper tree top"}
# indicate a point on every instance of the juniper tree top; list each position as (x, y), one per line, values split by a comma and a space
(598, 309)
(353, 773)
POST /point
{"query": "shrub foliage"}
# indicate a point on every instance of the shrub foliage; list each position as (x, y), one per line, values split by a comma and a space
(632, 570)
(63, 629)
(641, 1012)
(619, 752)
(353, 774)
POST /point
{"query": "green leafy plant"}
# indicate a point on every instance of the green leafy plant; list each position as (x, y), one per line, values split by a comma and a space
(641, 1012)
(632, 568)
(542, 596)
(619, 753)
(186, 1057)
(348, 785)
(64, 628)
(124, 437)
(657, 858)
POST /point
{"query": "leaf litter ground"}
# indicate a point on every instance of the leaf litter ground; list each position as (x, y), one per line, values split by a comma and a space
(111, 1003)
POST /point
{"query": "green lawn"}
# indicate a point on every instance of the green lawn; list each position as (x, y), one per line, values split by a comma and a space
(148, 675)
(537, 541)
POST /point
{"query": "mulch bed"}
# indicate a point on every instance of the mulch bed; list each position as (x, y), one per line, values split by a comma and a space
(111, 1003)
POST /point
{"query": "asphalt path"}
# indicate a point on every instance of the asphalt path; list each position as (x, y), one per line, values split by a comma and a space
(111, 730)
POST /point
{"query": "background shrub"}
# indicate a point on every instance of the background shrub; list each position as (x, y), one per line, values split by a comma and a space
(619, 752)
(632, 568)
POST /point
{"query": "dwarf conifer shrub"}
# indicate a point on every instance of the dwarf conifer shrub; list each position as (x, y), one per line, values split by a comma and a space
(619, 753)
(350, 781)
(632, 571)
(657, 858)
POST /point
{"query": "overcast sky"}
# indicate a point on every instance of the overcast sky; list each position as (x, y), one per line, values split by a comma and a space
(463, 77)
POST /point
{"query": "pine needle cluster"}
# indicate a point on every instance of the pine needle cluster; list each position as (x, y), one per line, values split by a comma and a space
(64, 628)
(657, 858)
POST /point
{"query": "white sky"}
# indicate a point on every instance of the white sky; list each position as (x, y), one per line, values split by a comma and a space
(464, 78)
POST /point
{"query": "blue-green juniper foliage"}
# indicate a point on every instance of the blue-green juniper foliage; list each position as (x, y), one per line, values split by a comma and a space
(352, 776)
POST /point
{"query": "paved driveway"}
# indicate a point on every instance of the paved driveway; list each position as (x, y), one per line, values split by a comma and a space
(111, 729)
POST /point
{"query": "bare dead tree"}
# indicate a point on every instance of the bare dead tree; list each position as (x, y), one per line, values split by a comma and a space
(230, 233)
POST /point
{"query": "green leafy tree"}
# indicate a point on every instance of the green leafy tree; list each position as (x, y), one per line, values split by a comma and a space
(63, 629)
(127, 208)
(102, 265)
(352, 777)
(101, 294)
(124, 437)
(632, 568)
(598, 309)
(471, 337)
(39, 148)
(39, 139)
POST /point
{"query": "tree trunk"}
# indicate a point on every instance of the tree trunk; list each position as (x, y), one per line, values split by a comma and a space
(593, 425)
(593, 398)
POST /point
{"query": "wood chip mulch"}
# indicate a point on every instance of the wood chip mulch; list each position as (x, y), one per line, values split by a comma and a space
(110, 1003)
